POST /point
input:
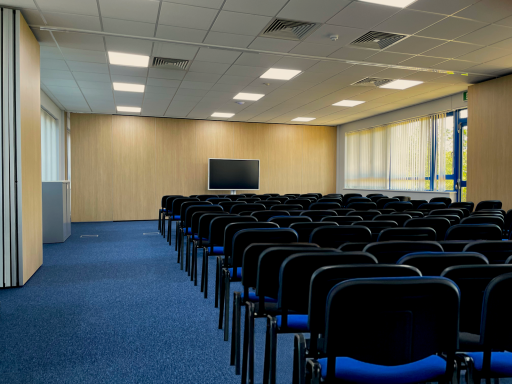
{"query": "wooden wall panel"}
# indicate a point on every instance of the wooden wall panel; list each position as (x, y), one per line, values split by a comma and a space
(91, 167)
(134, 161)
(319, 160)
(31, 186)
(489, 137)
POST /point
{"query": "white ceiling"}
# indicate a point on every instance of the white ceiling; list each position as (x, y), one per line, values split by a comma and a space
(459, 35)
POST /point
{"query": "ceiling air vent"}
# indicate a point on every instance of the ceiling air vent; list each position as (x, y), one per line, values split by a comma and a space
(163, 62)
(372, 82)
(377, 40)
(288, 29)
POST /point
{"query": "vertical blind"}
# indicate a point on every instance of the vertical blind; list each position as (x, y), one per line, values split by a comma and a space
(50, 140)
(397, 156)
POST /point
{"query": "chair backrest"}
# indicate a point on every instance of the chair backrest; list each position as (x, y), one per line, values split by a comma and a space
(453, 245)
(453, 219)
(408, 234)
(335, 235)
(324, 206)
(281, 199)
(387, 211)
(493, 211)
(195, 216)
(447, 211)
(352, 247)
(218, 226)
(173, 204)
(331, 200)
(488, 204)
(292, 194)
(411, 213)
(362, 206)
(217, 200)
(497, 252)
(508, 220)
(469, 205)
(271, 194)
(305, 203)
(406, 330)
(203, 231)
(250, 200)
(403, 198)
(318, 215)
(382, 202)
(342, 220)
(366, 215)
(296, 271)
(472, 281)
(248, 194)
(189, 213)
(399, 219)
(399, 206)
(205, 197)
(304, 229)
(286, 221)
(269, 203)
(245, 237)
(378, 197)
(184, 207)
(376, 227)
(480, 219)
(231, 230)
(325, 278)
(473, 232)
(226, 205)
(247, 207)
(164, 200)
(434, 263)
(389, 252)
(348, 196)
(438, 223)
(287, 207)
(370, 195)
(446, 200)
(431, 206)
(265, 215)
(312, 198)
(343, 211)
(251, 257)
(261, 197)
(358, 200)
(416, 203)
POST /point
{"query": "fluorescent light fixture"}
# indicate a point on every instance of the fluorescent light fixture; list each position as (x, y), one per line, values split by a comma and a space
(401, 84)
(248, 96)
(222, 114)
(280, 74)
(129, 87)
(128, 109)
(391, 3)
(128, 60)
(348, 103)
(304, 118)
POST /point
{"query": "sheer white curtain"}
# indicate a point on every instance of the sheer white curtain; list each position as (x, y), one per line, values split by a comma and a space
(439, 122)
(49, 147)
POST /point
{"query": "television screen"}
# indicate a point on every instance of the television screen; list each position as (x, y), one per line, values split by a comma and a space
(233, 174)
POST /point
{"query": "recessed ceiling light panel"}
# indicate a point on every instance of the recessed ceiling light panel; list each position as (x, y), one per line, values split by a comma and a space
(248, 96)
(348, 103)
(128, 109)
(391, 3)
(280, 74)
(304, 118)
(125, 87)
(128, 60)
(401, 84)
(222, 114)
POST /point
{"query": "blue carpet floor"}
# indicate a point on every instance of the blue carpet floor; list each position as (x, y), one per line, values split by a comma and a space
(117, 309)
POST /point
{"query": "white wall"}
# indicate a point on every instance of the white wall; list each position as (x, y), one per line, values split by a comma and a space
(444, 104)
(51, 107)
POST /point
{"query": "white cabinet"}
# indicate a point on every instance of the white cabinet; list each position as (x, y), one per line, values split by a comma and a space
(56, 211)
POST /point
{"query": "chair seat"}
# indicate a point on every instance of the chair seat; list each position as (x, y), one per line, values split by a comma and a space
(217, 250)
(501, 362)
(176, 217)
(188, 231)
(238, 273)
(196, 237)
(295, 322)
(254, 298)
(354, 371)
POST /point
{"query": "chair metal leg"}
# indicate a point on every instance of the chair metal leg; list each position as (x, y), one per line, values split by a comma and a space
(193, 260)
(248, 311)
(273, 350)
(221, 300)
(266, 360)
(233, 330)
(187, 253)
(299, 359)
(217, 278)
(238, 332)
(159, 220)
(176, 238)
(180, 250)
(169, 230)
(226, 298)
(163, 228)
(251, 345)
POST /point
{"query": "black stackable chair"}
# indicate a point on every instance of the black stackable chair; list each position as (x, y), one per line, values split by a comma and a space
(407, 234)
(491, 212)
(249, 200)
(481, 219)
(370, 195)
(488, 204)
(205, 197)
(399, 206)
(388, 211)
(377, 198)
(317, 215)
(281, 199)
(343, 211)
(304, 229)
(414, 214)
(287, 207)
(180, 227)
(416, 203)
(348, 196)
(305, 203)
(358, 199)
(174, 215)
(352, 247)
(497, 252)
(332, 199)
(399, 219)
(262, 197)
(249, 207)
(286, 221)
(389, 252)
(434, 263)
(362, 206)
(265, 215)
(217, 200)
(335, 235)
(438, 223)
(342, 220)
(323, 206)
(226, 205)
(473, 232)
(366, 215)
(419, 334)
(269, 203)
(403, 198)
(446, 200)
(375, 227)
(163, 210)
(470, 206)
(271, 194)
(382, 202)
(447, 211)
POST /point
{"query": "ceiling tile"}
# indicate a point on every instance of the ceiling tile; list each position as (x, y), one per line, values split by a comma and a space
(217, 55)
(67, 20)
(208, 67)
(59, 82)
(163, 82)
(454, 65)
(441, 6)
(409, 21)
(182, 34)
(257, 60)
(54, 64)
(80, 7)
(18, 4)
(128, 71)
(317, 11)
(191, 92)
(424, 76)
(228, 39)
(311, 49)
(293, 63)
(452, 49)
(485, 68)
(451, 28)
(177, 51)
(151, 108)
(393, 73)
(507, 22)
(171, 74)
(345, 35)
(487, 11)
(189, 99)
(388, 58)
(328, 67)
(362, 15)
(240, 23)
(55, 74)
(180, 15)
(260, 7)
(488, 35)
(313, 77)
(503, 62)
(352, 53)
(134, 46)
(505, 44)
(84, 55)
(129, 99)
(128, 79)
(51, 53)
(153, 90)
(277, 45)
(98, 93)
(128, 27)
(65, 91)
(136, 10)
(227, 88)
(80, 66)
(44, 38)
(90, 76)
(80, 41)
(242, 70)
(484, 54)
(422, 61)
(414, 45)
(94, 85)
(235, 80)
(202, 77)
(215, 4)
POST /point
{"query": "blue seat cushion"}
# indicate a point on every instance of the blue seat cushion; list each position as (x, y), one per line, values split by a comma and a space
(254, 298)
(238, 273)
(501, 362)
(295, 322)
(177, 217)
(217, 250)
(188, 231)
(354, 371)
(196, 237)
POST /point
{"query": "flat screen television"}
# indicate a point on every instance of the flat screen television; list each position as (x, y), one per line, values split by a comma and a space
(233, 174)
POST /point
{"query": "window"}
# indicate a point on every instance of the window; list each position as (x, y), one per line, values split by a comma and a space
(50, 148)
